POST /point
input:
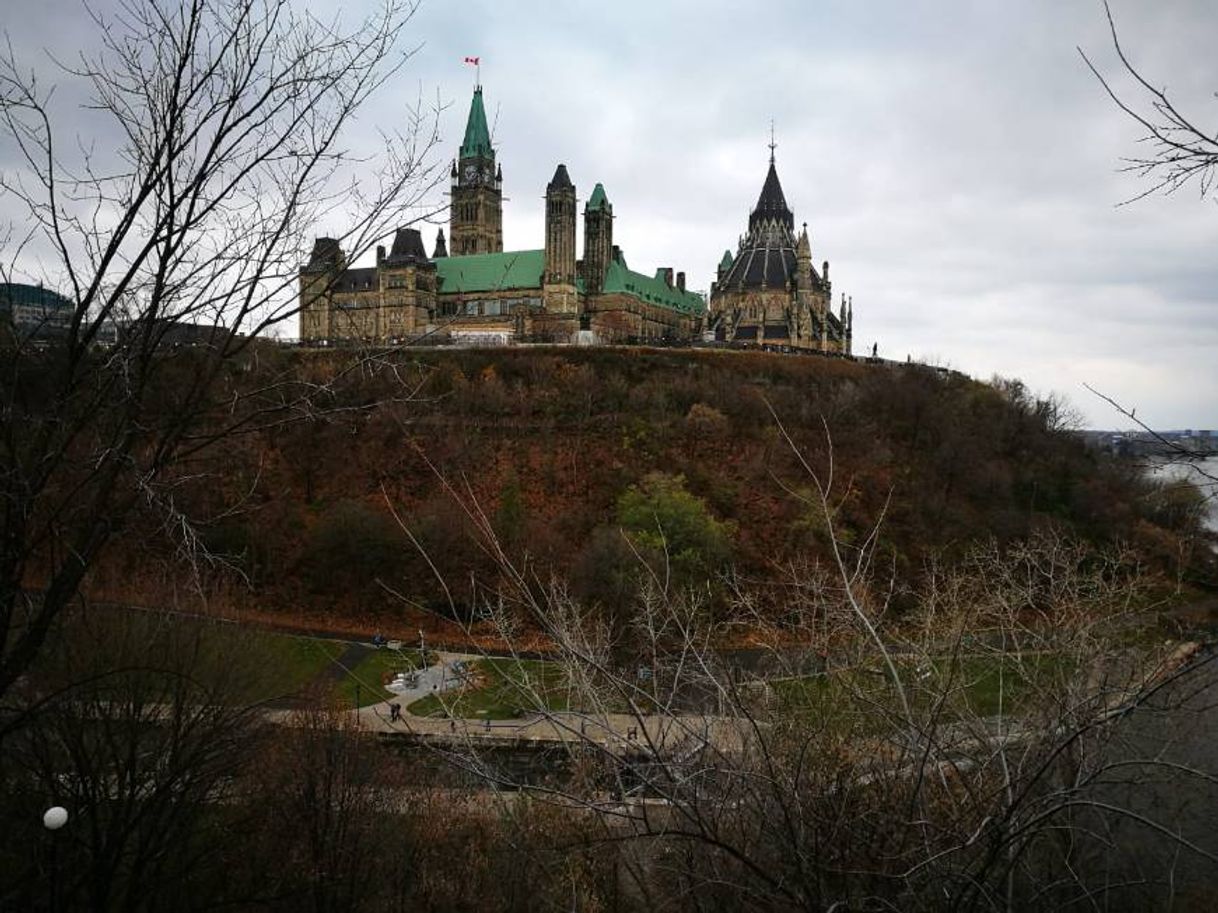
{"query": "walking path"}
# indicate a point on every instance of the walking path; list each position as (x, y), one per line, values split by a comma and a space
(617, 731)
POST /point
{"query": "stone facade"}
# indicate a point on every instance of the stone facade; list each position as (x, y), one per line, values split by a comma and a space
(478, 293)
(769, 293)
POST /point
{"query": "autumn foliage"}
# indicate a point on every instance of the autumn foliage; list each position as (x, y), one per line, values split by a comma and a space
(590, 465)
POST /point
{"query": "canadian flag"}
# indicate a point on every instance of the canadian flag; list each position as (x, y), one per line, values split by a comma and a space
(473, 60)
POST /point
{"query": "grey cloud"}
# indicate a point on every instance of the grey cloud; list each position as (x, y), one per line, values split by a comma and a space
(955, 162)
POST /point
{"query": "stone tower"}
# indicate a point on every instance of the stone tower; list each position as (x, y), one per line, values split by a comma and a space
(407, 283)
(317, 280)
(598, 240)
(558, 283)
(477, 189)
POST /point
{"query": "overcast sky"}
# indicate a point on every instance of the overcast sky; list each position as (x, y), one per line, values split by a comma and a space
(955, 162)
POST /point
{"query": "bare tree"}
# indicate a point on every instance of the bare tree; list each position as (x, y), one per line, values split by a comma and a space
(1181, 150)
(991, 749)
(140, 726)
(230, 120)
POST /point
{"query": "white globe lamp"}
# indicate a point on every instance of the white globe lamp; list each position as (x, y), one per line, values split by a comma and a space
(55, 817)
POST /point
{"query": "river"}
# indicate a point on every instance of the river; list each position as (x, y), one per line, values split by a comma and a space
(1202, 473)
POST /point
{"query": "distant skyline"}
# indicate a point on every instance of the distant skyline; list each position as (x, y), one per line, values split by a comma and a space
(955, 162)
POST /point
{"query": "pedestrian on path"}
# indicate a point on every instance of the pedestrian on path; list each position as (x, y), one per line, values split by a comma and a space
(395, 712)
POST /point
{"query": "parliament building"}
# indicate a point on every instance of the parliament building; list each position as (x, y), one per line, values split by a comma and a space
(477, 292)
(470, 290)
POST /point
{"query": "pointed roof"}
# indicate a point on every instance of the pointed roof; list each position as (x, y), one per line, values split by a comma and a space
(407, 247)
(804, 247)
(598, 200)
(327, 254)
(441, 245)
(726, 262)
(561, 179)
(477, 136)
(772, 204)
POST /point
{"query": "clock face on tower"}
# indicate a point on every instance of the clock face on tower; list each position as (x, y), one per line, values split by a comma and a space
(471, 172)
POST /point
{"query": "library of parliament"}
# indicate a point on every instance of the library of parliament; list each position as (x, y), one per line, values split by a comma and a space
(471, 291)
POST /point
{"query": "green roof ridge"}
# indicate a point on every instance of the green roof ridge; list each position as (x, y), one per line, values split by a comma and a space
(513, 269)
(598, 200)
(651, 290)
(477, 136)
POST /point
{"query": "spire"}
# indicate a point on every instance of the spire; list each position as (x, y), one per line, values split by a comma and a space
(477, 136)
(441, 246)
(561, 179)
(773, 201)
(598, 200)
(803, 249)
(726, 263)
(772, 204)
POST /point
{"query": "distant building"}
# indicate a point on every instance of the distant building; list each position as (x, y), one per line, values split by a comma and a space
(480, 294)
(34, 312)
(768, 293)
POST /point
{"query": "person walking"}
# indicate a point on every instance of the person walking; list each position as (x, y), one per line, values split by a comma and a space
(395, 712)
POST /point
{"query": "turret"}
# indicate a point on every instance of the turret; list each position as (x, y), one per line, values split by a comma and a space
(803, 261)
(849, 344)
(317, 278)
(408, 285)
(560, 229)
(725, 263)
(598, 239)
(441, 246)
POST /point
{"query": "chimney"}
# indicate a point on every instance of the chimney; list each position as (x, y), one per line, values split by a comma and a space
(667, 270)
(380, 253)
(681, 281)
(826, 271)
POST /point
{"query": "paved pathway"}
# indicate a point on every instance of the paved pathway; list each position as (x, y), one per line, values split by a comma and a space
(617, 731)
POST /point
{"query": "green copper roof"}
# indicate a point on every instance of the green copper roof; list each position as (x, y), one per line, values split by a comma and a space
(522, 269)
(514, 269)
(727, 261)
(477, 136)
(598, 199)
(654, 291)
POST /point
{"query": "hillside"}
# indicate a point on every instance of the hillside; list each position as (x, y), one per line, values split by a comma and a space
(547, 444)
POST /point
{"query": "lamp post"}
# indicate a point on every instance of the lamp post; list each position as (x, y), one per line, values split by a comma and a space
(53, 819)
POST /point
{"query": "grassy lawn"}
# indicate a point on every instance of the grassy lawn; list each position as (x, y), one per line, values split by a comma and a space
(992, 687)
(264, 665)
(982, 685)
(286, 663)
(370, 671)
(290, 662)
(507, 688)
